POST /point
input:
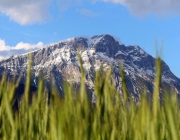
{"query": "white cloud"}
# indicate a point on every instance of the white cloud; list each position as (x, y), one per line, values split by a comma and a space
(27, 46)
(20, 48)
(25, 11)
(65, 4)
(32, 11)
(3, 46)
(142, 7)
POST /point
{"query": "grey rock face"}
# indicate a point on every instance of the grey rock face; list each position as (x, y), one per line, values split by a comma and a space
(60, 61)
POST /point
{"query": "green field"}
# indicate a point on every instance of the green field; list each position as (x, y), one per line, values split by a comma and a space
(75, 117)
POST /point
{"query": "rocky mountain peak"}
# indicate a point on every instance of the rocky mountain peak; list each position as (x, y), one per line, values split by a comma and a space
(59, 62)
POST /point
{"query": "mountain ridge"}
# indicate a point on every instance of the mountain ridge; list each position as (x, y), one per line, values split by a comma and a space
(60, 61)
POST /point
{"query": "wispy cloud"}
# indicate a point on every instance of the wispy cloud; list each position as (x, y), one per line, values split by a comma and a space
(65, 4)
(86, 12)
(32, 11)
(142, 7)
(20, 48)
(25, 11)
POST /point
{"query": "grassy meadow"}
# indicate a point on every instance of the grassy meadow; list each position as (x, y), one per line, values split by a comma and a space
(75, 117)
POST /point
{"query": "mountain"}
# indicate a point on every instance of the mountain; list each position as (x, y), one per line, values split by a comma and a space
(60, 61)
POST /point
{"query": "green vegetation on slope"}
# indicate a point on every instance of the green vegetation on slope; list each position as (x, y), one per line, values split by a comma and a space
(75, 117)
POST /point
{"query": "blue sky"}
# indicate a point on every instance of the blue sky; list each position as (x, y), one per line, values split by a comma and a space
(26, 25)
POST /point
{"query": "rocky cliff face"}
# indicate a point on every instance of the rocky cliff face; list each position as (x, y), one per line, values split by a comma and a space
(60, 61)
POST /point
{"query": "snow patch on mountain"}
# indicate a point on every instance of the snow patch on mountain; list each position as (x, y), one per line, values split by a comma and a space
(94, 40)
(120, 52)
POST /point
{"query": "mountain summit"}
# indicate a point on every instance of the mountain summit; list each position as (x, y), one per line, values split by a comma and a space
(60, 61)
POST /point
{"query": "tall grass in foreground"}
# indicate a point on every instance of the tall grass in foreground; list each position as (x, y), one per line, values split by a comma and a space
(74, 117)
